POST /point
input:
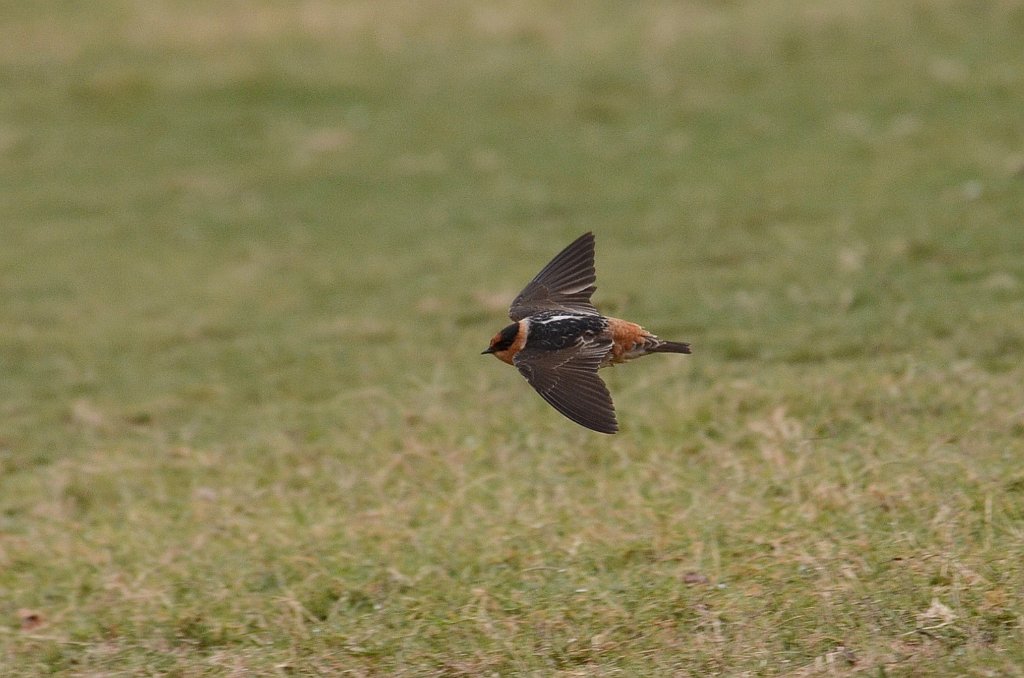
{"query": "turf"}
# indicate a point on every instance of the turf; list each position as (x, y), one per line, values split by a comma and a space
(249, 254)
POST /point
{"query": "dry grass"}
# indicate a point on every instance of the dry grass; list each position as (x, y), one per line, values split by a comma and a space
(252, 250)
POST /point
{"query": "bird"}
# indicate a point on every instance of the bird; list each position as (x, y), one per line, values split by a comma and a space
(558, 340)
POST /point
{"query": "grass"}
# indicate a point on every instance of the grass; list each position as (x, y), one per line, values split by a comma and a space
(251, 251)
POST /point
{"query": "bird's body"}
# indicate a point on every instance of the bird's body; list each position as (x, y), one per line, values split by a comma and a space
(559, 340)
(552, 330)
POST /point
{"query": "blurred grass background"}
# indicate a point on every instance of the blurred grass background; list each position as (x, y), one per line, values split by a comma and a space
(249, 253)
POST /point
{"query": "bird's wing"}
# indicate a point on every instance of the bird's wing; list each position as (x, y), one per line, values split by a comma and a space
(565, 284)
(567, 379)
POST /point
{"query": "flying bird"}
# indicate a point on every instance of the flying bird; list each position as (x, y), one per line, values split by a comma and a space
(559, 340)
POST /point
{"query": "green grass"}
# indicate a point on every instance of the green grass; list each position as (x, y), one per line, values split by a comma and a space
(249, 253)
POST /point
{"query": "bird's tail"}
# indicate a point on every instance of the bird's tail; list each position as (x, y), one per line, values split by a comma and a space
(669, 347)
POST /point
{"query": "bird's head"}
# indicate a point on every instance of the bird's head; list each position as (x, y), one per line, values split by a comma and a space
(502, 343)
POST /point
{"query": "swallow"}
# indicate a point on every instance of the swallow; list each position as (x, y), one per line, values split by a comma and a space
(559, 340)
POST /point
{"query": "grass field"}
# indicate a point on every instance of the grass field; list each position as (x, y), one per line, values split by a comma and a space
(250, 252)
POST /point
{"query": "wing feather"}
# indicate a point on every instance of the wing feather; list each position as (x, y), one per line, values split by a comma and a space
(565, 284)
(567, 379)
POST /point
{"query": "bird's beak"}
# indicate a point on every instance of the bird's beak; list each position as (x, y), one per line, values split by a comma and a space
(489, 349)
